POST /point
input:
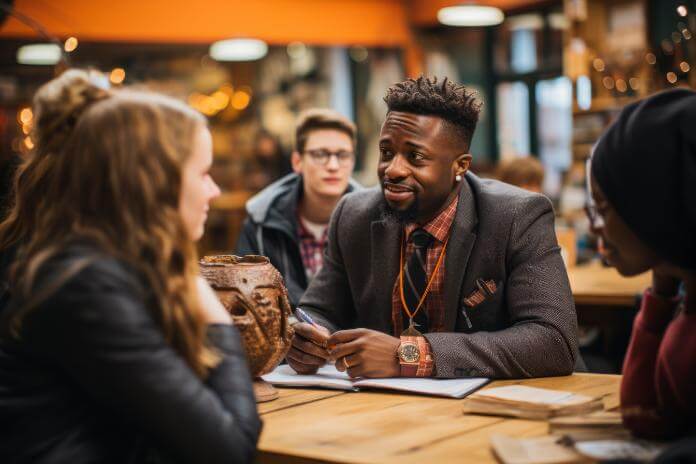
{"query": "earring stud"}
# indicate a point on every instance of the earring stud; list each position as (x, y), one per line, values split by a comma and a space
(458, 178)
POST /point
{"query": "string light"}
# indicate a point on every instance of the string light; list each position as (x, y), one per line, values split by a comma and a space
(669, 48)
(220, 100)
(201, 103)
(598, 64)
(117, 76)
(608, 82)
(25, 116)
(241, 99)
(70, 44)
(28, 143)
(621, 85)
(225, 96)
(624, 83)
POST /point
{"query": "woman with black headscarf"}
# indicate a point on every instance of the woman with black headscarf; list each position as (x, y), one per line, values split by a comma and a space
(643, 208)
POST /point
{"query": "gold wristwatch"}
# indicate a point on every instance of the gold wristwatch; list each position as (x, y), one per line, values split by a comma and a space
(409, 353)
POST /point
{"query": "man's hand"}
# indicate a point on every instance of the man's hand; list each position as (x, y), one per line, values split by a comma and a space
(366, 352)
(308, 351)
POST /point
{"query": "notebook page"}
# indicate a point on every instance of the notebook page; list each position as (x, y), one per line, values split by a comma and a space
(327, 377)
(451, 388)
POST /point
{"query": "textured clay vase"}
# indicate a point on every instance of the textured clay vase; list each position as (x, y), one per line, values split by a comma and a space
(253, 292)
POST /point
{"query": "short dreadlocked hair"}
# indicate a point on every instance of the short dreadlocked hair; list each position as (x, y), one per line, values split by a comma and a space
(452, 102)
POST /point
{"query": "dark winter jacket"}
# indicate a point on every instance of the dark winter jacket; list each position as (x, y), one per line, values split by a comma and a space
(92, 378)
(270, 229)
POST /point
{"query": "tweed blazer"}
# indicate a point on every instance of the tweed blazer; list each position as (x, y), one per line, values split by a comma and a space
(527, 328)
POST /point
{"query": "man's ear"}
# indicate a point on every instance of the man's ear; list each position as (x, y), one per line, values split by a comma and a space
(296, 160)
(462, 163)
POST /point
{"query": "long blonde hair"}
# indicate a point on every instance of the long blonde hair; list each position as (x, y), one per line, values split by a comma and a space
(112, 175)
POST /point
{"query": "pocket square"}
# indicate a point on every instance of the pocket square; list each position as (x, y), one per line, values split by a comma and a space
(484, 290)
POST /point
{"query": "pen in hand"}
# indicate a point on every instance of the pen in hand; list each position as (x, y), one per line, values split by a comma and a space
(302, 316)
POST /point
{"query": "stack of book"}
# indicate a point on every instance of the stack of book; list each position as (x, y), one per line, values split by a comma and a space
(602, 425)
(530, 402)
(535, 450)
(552, 450)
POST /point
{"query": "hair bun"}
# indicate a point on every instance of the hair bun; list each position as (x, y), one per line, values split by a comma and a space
(58, 105)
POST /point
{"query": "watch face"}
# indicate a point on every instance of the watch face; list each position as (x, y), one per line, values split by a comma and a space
(408, 352)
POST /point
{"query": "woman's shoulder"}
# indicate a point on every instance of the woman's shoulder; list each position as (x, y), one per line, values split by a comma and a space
(88, 267)
(82, 290)
(79, 278)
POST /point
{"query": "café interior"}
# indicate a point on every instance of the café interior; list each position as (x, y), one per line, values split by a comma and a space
(552, 76)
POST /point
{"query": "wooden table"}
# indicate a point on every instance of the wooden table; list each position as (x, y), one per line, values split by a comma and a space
(377, 427)
(594, 284)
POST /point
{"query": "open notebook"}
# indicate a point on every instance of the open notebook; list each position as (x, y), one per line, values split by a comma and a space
(329, 377)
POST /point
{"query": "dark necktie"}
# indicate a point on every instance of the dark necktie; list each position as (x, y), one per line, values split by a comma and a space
(416, 279)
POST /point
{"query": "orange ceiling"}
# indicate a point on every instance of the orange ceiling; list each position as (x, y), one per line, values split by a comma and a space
(321, 22)
(366, 22)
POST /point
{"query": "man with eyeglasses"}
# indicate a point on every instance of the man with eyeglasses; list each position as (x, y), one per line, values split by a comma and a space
(288, 220)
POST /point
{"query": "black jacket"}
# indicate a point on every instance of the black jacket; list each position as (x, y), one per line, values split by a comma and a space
(7, 256)
(270, 229)
(92, 379)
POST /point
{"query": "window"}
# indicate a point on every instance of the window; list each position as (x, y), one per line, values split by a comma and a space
(554, 100)
(533, 104)
(512, 117)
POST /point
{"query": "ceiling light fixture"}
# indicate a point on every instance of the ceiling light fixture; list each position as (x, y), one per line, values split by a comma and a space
(470, 15)
(39, 54)
(238, 50)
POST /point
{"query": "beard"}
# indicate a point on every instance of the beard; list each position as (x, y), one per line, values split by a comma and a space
(404, 217)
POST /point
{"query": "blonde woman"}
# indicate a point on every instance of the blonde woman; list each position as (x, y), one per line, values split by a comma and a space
(112, 349)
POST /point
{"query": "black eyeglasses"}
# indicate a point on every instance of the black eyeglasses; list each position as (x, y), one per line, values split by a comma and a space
(593, 215)
(322, 157)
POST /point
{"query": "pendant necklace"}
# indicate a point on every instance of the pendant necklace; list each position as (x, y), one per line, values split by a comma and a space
(411, 330)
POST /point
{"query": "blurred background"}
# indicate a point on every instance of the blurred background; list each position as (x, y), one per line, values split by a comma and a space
(552, 75)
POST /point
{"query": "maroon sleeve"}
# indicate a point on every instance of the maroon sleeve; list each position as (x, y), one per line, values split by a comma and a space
(639, 397)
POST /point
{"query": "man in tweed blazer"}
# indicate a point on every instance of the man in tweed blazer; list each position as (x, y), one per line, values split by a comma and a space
(523, 326)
